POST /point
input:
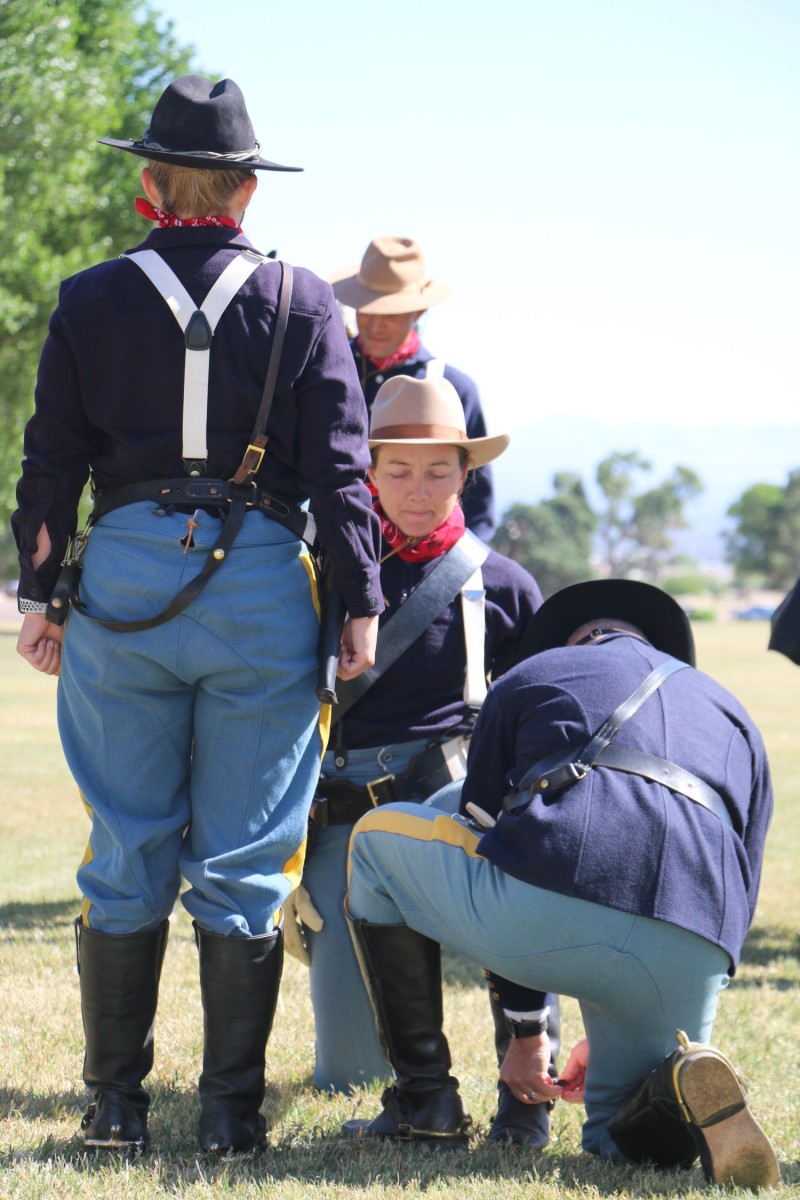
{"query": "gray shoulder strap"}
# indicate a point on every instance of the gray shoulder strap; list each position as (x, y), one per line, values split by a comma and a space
(434, 368)
(198, 325)
(432, 596)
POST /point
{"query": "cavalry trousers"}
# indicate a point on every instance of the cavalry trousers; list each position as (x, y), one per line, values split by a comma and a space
(637, 980)
(196, 745)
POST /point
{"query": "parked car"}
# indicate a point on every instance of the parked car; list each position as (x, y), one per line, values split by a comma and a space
(756, 612)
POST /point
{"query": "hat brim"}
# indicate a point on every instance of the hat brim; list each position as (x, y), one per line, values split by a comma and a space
(350, 291)
(196, 160)
(481, 450)
(660, 618)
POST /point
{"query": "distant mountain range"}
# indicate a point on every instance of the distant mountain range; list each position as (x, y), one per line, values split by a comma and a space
(728, 459)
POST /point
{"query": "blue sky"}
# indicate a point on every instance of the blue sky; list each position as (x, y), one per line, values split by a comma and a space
(610, 187)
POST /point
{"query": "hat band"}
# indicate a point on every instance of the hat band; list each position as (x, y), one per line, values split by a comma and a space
(395, 288)
(442, 433)
(230, 156)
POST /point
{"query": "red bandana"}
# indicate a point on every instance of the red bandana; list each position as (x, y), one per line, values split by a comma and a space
(170, 221)
(407, 350)
(422, 550)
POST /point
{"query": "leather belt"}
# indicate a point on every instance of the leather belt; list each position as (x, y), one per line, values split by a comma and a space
(337, 802)
(204, 492)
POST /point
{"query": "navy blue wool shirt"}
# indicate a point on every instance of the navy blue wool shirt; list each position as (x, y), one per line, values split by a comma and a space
(613, 838)
(109, 399)
(422, 693)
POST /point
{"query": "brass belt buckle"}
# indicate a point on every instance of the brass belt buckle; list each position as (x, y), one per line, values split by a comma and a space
(375, 783)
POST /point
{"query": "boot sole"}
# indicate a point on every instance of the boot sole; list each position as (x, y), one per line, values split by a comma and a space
(115, 1146)
(733, 1147)
(437, 1141)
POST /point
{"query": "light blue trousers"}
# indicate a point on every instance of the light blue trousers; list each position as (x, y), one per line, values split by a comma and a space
(347, 1049)
(196, 745)
(637, 980)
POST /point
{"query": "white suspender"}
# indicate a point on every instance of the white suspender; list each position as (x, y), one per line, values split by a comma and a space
(473, 606)
(198, 325)
(434, 368)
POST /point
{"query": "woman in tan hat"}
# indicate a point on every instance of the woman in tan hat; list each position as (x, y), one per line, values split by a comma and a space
(390, 290)
(454, 610)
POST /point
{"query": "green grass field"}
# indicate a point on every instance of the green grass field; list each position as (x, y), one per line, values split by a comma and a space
(43, 833)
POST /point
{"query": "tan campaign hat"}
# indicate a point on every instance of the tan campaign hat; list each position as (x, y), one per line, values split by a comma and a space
(390, 279)
(427, 411)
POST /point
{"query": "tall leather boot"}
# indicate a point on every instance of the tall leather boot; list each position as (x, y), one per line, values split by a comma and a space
(694, 1102)
(402, 971)
(522, 1124)
(119, 977)
(239, 982)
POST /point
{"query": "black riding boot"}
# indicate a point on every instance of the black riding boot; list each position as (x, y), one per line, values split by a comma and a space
(239, 981)
(119, 975)
(522, 1124)
(695, 1103)
(402, 971)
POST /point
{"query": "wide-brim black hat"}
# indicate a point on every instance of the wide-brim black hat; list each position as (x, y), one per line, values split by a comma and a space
(660, 618)
(199, 123)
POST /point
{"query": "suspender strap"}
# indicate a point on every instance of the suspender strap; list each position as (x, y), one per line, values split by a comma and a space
(255, 451)
(198, 325)
(434, 368)
(473, 608)
(559, 770)
(411, 620)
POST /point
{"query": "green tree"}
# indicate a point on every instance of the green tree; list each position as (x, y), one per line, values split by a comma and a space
(552, 539)
(764, 545)
(70, 71)
(635, 527)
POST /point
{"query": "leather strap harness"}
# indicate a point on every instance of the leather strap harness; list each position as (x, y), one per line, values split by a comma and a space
(234, 496)
(562, 769)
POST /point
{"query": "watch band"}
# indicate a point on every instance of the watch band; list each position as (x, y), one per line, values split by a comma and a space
(526, 1029)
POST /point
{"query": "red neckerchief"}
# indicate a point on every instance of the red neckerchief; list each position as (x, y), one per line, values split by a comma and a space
(422, 550)
(169, 221)
(407, 350)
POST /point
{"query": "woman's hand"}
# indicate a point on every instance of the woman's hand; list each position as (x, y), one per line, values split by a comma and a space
(524, 1069)
(39, 643)
(357, 648)
(573, 1077)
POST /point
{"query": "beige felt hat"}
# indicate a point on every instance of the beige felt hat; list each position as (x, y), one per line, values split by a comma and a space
(427, 411)
(390, 279)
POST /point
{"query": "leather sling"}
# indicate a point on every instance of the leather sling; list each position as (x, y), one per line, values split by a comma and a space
(561, 769)
(438, 589)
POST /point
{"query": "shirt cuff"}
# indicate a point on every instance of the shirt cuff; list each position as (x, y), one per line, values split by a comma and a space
(31, 606)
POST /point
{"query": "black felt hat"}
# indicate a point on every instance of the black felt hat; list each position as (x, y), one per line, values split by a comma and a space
(660, 618)
(199, 123)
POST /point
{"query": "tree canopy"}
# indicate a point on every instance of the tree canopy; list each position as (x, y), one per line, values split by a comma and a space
(763, 545)
(635, 526)
(70, 71)
(554, 539)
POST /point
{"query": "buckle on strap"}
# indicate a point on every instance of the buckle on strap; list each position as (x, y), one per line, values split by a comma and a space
(373, 790)
(559, 777)
(254, 456)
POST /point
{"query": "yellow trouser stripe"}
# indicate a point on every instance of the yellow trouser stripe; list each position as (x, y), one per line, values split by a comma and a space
(420, 829)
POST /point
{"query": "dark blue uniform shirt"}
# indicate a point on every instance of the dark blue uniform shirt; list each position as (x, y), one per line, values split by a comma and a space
(110, 395)
(421, 694)
(617, 839)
